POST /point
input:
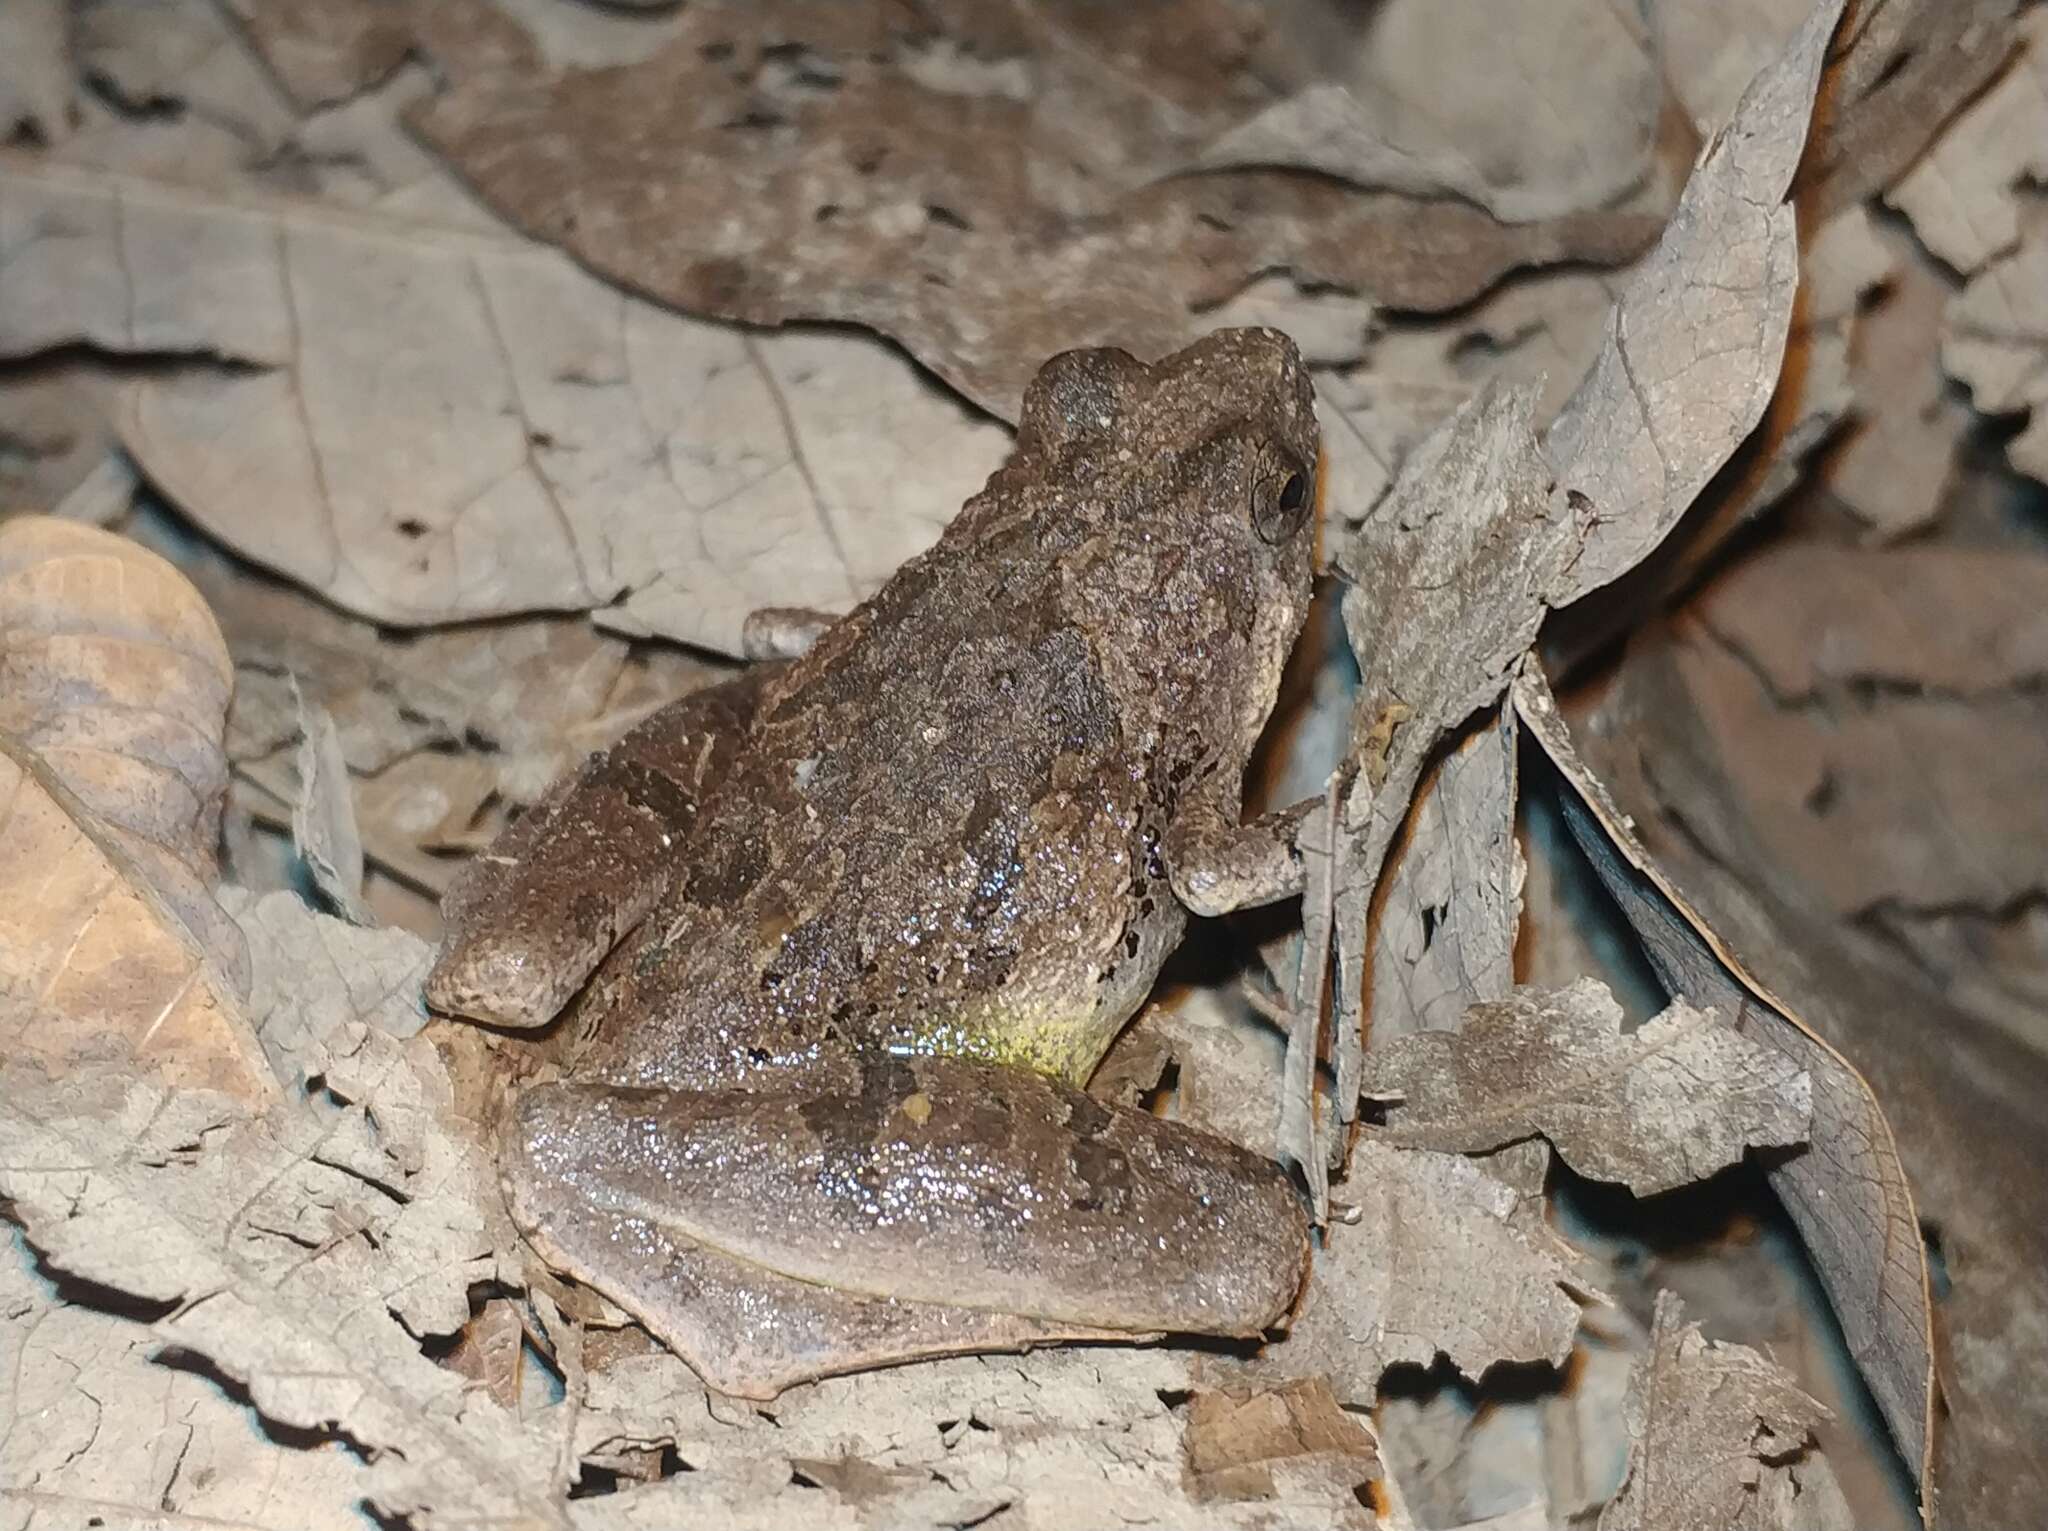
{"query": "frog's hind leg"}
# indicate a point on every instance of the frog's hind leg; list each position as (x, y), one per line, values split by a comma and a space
(932, 1182)
(530, 919)
(749, 1332)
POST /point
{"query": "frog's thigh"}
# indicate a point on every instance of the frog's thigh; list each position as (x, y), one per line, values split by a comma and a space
(935, 1181)
(531, 918)
(747, 1331)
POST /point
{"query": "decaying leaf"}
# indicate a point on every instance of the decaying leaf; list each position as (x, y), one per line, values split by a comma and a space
(99, 1427)
(324, 815)
(1711, 1423)
(1431, 1265)
(1673, 1101)
(1964, 196)
(113, 685)
(596, 448)
(1444, 931)
(1247, 1447)
(314, 973)
(1959, 1069)
(1995, 342)
(1530, 112)
(1848, 1192)
(843, 166)
(1452, 574)
(295, 1250)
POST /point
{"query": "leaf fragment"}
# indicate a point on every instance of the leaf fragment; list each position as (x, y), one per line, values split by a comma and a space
(1664, 1105)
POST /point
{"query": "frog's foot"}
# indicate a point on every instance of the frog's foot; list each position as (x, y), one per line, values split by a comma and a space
(918, 1184)
(529, 920)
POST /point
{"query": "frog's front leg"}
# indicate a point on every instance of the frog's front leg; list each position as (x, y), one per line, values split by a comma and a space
(530, 919)
(931, 1183)
(1218, 865)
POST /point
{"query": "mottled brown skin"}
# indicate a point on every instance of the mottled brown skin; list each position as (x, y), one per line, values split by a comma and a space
(896, 898)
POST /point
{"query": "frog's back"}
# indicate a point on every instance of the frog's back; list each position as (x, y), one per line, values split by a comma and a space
(937, 837)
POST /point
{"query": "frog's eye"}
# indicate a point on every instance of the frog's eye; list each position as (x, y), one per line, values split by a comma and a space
(1281, 506)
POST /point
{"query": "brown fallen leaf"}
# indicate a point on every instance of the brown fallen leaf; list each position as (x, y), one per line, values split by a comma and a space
(984, 219)
(1894, 461)
(1449, 904)
(1530, 113)
(1848, 1192)
(324, 814)
(1671, 1102)
(102, 1428)
(1995, 342)
(614, 450)
(1959, 1071)
(295, 1250)
(113, 685)
(1431, 1265)
(1238, 1446)
(1964, 196)
(35, 77)
(1711, 1425)
(327, 50)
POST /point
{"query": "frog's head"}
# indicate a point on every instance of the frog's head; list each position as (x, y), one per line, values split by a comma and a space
(1202, 469)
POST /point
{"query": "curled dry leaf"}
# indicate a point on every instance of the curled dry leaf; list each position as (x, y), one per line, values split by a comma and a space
(855, 166)
(1711, 1425)
(324, 815)
(507, 435)
(1673, 1101)
(113, 685)
(1848, 1192)
(1529, 112)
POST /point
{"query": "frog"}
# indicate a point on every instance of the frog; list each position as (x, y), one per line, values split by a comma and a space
(829, 952)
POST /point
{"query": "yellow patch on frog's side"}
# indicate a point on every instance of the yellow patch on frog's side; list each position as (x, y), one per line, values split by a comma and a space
(1057, 1041)
(917, 1106)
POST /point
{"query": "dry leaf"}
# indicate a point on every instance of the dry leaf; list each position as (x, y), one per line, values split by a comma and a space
(35, 70)
(1453, 572)
(113, 685)
(1431, 1266)
(597, 449)
(985, 214)
(1238, 1447)
(1964, 195)
(315, 973)
(295, 1250)
(1893, 463)
(1531, 112)
(101, 1429)
(1848, 1192)
(1903, 68)
(1995, 342)
(1444, 931)
(1671, 1102)
(1693, 354)
(1960, 1074)
(1710, 1423)
(324, 815)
